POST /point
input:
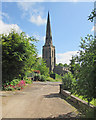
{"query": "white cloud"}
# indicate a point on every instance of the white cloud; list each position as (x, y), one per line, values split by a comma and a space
(2, 14)
(93, 28)
(6, 28)
(65, 57)
(33, 12)
(40, 56)
(25, 5)
(38, 20)
(38, 37)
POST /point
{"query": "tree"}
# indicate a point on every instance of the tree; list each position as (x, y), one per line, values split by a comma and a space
(72, 65)
(18, 55)
(92, 15)
(65, 65)
(41, 65)
(60, 64)
(86, 84)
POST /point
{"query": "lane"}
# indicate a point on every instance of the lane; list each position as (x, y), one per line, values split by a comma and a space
(38, 100)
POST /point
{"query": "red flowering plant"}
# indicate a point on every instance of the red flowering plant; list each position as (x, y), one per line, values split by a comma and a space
(18, 85)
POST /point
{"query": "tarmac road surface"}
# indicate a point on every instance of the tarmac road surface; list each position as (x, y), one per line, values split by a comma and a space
(37, 100)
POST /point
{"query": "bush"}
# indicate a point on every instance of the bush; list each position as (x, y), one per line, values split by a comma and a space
(43, 78)
(9, 88)
(14, 85)
(91, 113)
(14, 82)
(58, 76)
(27, 80)
(68, 81)
(37, 77)
(50, 79)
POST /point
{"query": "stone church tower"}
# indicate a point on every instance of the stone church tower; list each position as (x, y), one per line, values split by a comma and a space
(48, 49)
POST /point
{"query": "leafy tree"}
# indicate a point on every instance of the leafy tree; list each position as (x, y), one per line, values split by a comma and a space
(86, 84)
(72, 65)
(18, 55)
(60, 64)
(68, 81)
(41, 65)
(92, 15)
(65, 65)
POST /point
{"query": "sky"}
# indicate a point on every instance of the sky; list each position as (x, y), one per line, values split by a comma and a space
(69, 22)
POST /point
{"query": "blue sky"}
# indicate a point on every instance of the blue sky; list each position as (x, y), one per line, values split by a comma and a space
(68, 23)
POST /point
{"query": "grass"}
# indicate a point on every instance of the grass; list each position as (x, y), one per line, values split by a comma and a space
(93, 102)
(58, 78)
(53, 80)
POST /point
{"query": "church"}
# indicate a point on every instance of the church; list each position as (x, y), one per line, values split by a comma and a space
(48, 52)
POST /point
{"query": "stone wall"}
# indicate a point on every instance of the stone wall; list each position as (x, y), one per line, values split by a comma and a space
(81, 103)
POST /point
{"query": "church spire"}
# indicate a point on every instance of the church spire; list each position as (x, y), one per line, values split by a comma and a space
(48, 31)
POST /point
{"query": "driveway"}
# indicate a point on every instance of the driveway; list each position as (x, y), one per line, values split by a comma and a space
(37, 100)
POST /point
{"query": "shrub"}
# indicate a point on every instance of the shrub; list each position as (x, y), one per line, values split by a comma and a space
(58, 76)
(37, 77)
(10, 86)
(68, 81)
(27, 80)
(14, 82)
(43, 78)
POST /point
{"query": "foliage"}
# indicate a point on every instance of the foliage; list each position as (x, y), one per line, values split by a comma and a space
(27, 80)
(63, 65)
(91, 113)
(60, 64)
(68, 82)
(50, 79)
(92, 15)
(18, 55)
(53, 80)
(86, 84)
(72, 65)
(14, 86)
(41, 66)
(14, 82)
(39, 77)
(58, 76)
(43, 78)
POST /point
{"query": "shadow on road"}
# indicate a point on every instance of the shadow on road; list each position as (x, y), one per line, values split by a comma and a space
(58, 95)
(52, 95)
